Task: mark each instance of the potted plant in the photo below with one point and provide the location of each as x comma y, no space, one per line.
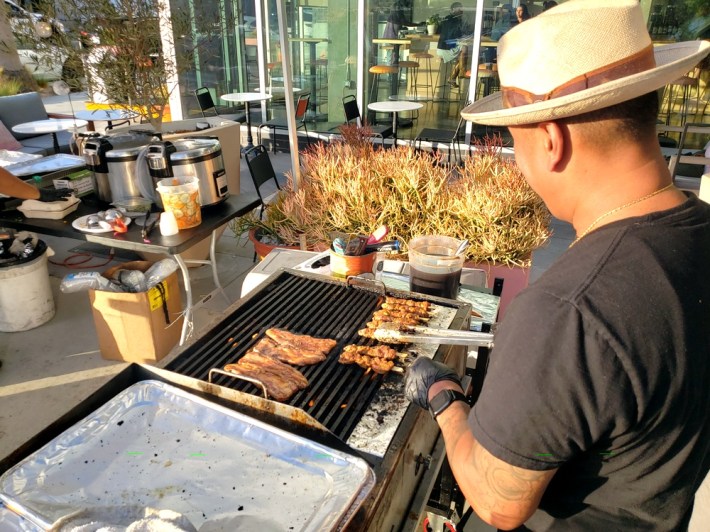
432,24
350,186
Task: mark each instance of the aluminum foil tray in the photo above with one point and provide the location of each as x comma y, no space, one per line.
156,446
51,163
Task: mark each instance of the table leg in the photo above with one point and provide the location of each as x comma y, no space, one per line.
55,141
213,263
187,313
394,81
313,103
394,128
250,139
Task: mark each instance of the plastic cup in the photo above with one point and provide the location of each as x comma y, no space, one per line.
181,196
168,224
433,267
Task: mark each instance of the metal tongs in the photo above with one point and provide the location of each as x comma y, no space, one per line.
393,332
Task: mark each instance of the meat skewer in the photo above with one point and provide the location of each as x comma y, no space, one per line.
419,311
378,365
398,315
410,303
370,333
378,351
376,322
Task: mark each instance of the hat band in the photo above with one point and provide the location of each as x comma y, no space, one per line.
633,64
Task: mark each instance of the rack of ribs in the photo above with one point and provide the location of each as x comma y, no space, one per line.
281,380
267,347
301,342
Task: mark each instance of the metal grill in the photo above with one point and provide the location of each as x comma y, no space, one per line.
337,394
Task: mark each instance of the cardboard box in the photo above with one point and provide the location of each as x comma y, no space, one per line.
80,181
133,327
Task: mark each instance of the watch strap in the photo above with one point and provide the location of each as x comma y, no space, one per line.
443,400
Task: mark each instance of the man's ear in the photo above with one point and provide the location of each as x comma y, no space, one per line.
555,142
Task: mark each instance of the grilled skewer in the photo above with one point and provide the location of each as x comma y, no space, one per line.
419,311
398,315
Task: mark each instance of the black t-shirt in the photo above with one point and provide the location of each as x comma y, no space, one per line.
452,28
601,368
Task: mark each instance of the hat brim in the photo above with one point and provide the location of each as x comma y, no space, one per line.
672,62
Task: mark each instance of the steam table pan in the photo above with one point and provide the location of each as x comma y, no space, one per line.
156,446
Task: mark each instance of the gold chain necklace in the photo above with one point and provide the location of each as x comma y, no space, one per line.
617,209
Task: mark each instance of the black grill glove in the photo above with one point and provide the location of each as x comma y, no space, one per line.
421,375
54,194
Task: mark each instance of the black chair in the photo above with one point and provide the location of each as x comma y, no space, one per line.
352,112
262,172
208,108
450,137
282,123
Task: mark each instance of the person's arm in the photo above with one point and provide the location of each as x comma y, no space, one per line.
503,495
15,187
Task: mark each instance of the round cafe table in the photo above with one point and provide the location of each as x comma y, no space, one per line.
394,107
51,125
104,115
246,98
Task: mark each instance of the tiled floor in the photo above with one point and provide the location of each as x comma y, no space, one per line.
49,369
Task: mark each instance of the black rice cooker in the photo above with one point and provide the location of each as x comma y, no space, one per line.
200,157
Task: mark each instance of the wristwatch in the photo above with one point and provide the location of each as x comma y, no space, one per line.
443,400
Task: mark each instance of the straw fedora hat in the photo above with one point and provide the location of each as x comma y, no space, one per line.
580,56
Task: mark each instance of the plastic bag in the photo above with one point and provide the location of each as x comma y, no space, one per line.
77,282
159,272
132,281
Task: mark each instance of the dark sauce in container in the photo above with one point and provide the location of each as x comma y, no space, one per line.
435,284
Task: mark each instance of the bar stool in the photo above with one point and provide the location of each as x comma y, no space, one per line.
684,85
409,67
423,57
487,80
378,71
322,79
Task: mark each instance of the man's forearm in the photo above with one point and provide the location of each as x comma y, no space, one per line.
501,494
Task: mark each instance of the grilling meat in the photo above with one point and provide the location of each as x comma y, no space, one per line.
398,316
281,380
301,342
378,365
377,322
369,332
377,351
266,346
419,311
420,306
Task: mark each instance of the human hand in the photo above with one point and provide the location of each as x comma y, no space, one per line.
421,375
55,194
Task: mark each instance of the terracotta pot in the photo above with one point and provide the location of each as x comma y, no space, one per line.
262,250
514,278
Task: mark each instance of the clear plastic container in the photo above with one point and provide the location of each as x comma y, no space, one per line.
181,196
434,267
133,207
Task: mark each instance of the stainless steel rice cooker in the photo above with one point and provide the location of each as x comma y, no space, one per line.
200,157
121,164
95,152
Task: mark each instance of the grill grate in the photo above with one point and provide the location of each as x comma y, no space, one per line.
338,394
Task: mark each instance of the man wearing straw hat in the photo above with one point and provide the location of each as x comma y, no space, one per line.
595,412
